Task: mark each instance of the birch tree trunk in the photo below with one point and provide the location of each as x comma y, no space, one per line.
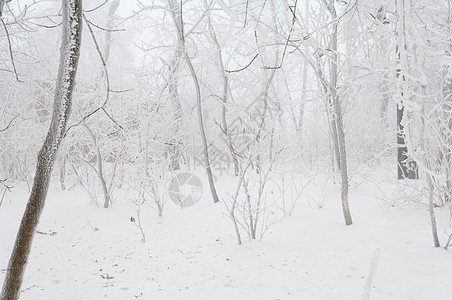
69,56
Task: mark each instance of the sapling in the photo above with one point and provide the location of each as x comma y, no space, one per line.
137,223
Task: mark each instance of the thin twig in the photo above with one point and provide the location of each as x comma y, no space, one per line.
121,91
9,124
246,13
97,7
105,29
107,79
11,51
245,67
29,288
104,64
293,10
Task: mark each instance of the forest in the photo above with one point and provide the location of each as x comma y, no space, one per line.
225,149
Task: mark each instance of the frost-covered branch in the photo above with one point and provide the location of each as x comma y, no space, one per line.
107,80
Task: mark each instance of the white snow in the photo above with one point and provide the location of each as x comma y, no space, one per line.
95,253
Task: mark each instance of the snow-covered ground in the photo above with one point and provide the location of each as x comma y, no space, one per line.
85,252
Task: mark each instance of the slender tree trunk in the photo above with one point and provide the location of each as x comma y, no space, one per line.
446,129
331,117
329,105
338,119
63,173
100,167
70,51
111,12
382,50
447,96
428,176
202,130
431,209
224,98
304,78
402,149
263,116
401,92
2,3
265,92
176,11
384,102
174,149
334,134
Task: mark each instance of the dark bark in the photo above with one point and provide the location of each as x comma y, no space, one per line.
402,157
406,167
70,50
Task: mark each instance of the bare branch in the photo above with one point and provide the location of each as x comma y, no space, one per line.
9,124
245,67
11,51
107,80
120,91
95,8
104,29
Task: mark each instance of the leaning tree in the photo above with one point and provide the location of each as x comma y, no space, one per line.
70,52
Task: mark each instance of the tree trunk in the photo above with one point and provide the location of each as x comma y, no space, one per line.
176,11
447,96
174,147
402,170
224,98
428,175
329,105
382,50
63,173
304,78
405,168
2,3
70,51
447,137
111,13
338,119
100,167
